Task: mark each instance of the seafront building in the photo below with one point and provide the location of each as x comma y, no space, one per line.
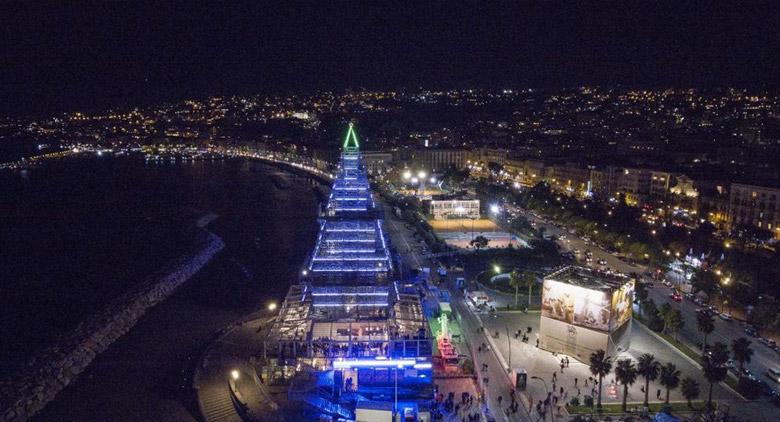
352,342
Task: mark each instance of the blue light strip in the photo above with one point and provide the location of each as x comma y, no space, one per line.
343,305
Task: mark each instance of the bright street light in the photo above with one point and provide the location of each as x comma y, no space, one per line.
497,269
433,180
272,306
414,180
494,209
407,175
235,374
421,174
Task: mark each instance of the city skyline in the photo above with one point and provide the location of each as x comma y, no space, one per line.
114,54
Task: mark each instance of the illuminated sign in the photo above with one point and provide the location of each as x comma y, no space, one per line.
380,363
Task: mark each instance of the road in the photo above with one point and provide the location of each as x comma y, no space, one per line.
725,332
498,380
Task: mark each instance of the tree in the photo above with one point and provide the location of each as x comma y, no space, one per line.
600,366
690,389
741,352
479,242
529,279
640,291
663,313
714,366
704,281
706,326
674,322
515,280
626,374
669,378
649,369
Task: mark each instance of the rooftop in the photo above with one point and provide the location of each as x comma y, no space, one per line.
588,278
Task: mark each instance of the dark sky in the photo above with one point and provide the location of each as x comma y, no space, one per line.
87,55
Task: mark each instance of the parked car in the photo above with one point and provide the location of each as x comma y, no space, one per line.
675,297
773,374
750,331
726,317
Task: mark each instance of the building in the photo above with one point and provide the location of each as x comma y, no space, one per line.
755,206
438,160
584,310
350,342
377,162
455,208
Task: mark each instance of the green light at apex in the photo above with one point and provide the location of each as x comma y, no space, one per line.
351,137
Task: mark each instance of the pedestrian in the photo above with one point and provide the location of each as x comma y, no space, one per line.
500,399
561,390
537,343
555,375
575,381
586,383
658,394
567,361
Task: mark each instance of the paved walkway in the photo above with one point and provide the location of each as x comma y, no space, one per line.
229,353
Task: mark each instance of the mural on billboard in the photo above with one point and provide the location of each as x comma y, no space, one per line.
576,305
622,300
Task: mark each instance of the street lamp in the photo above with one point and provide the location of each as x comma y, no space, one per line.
552,413
272,306
494,209
421,174
235,374
497,269
407,175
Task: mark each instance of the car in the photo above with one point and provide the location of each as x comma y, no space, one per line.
751,332
602,261
773,374
675,297
690,296
726,317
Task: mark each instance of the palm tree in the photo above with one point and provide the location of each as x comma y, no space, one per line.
690,389
648,368
674,321
600,366
669,378
741,352
529,279
706,326
626,374
714,366
515,281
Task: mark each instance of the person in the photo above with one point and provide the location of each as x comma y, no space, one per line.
537,343
561,390
500,399
658,394
575,381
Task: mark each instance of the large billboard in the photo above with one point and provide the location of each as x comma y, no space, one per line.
622,300
576,305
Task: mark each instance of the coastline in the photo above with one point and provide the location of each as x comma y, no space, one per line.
51,370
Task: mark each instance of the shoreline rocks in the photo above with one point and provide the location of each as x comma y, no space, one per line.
52,369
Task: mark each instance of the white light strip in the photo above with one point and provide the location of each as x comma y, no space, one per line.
344,305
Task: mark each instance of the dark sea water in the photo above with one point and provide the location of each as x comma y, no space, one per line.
77,232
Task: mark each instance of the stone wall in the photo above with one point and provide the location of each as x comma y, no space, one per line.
52,369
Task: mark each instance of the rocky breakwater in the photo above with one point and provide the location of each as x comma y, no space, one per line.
53,368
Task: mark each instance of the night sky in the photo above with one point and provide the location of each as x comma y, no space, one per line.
90,55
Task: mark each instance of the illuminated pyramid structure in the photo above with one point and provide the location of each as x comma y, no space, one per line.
351,246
